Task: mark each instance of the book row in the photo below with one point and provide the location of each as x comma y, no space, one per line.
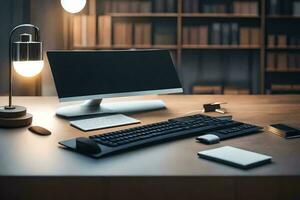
282,40
284,88
283,7
218,89
132,6
283,61
236,7
221,34
162,33
120,33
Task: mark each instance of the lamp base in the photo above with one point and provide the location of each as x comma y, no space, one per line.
14,116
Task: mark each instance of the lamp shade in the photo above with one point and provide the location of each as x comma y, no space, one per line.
27,56
73,6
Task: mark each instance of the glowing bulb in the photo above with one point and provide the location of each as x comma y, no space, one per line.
28,68
73,6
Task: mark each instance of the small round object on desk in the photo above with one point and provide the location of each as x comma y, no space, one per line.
39,130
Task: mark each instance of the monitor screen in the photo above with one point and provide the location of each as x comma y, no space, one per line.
81,75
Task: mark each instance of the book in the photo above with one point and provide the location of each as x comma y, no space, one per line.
123,33
286,7
77,31
296,8
147,40
220,8
296,87
91,30
195,6
244,7
271,61
274,7
145,7
236,91
193,35
83,30
138,33
234,29
225,34
253,8
282,61
106,7
244,36
170,6
164,33
203,35
254,36
281,87
92,7
159,6
104,30
206,8
114,7
185,35
282,40
123,7
292,61
271,41
298,61
216,33
142,34
187,6
207,89
237,7
128,33
135,7
284,130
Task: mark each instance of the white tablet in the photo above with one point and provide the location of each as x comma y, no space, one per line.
235,157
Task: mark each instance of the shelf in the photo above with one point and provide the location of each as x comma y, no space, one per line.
220,15
282,17
172,47
282,70
259,20
225,47
143,14
284,48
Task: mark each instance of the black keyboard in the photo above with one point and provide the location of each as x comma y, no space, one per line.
175,128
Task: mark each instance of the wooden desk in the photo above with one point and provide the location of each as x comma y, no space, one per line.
34,167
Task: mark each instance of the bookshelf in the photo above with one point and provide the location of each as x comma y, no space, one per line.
282,46
252,17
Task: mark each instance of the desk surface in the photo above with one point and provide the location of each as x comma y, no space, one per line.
26,154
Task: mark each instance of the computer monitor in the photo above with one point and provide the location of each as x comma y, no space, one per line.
94,75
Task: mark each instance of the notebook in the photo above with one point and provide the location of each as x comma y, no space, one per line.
235,157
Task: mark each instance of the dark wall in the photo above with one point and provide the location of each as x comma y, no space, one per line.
12,13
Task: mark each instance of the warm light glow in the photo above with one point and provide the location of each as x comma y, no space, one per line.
73,6
28,68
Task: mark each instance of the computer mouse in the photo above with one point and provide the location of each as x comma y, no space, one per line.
208,139
39,130
87,146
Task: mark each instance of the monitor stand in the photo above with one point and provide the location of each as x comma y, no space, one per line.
95,107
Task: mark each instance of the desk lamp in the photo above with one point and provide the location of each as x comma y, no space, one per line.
27,58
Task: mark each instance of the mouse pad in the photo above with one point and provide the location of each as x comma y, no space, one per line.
235,157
